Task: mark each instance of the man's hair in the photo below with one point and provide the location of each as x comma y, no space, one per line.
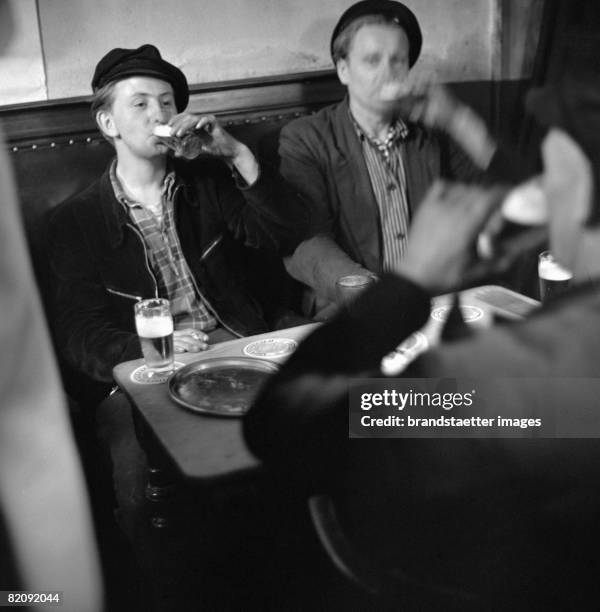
341,45
103,99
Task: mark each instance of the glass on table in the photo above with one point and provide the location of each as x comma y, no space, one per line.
348,288
554,278
154,325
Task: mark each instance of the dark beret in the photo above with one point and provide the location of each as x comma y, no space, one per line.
121,64
395,11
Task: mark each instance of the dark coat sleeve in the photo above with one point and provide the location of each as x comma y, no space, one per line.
506,166
318,261
473,514
303,166
301,416
268,214
300,421
87,335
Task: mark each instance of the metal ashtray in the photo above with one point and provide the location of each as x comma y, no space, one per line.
223,386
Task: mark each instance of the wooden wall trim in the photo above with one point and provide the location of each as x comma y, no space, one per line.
248,101
235,102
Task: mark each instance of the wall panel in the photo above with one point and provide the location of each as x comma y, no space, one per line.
216,40
57,43
22,77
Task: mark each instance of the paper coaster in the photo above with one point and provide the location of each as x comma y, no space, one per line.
157,378
469,313
270,347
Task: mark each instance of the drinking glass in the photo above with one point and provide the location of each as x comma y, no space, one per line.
154,325
554,278
347,288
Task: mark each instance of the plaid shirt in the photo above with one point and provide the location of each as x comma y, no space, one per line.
388,179
166,257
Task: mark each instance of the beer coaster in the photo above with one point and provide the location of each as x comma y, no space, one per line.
470,314
271,347
137,375
393,363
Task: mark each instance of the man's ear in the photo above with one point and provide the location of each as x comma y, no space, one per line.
106,123
342,71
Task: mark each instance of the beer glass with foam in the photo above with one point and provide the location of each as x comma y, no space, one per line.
188,146
347,288
154,325
554,278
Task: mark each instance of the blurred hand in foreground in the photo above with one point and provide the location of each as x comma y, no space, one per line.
443,234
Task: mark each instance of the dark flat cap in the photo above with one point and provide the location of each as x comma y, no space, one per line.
395,11
121,64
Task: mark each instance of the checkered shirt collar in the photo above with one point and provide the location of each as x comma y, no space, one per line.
169,184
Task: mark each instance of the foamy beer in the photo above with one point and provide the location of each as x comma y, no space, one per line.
347,288
154,325
554,278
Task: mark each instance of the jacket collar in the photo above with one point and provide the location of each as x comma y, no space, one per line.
358,207
345,129
115,216
357,200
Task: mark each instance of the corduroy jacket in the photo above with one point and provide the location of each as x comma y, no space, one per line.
101,268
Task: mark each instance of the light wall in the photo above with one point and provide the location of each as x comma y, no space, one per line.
22,76
57,43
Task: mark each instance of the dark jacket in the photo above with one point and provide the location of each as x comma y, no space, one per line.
491,518
321,156
101,267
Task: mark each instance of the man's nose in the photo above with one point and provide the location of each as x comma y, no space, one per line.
160,114
394,70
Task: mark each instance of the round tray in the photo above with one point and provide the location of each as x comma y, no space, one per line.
223,386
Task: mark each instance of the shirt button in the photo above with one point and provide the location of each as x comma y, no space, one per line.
400,236
391,186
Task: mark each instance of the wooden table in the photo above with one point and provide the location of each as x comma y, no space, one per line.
203,449
187,450
208,449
